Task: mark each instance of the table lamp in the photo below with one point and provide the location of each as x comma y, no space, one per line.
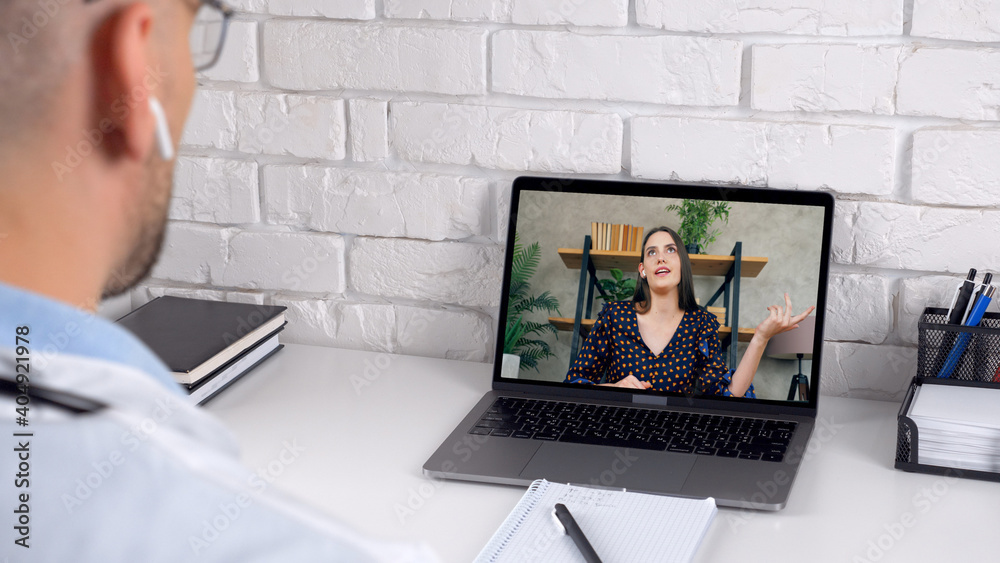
796,343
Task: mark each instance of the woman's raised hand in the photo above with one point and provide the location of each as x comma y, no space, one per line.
780,320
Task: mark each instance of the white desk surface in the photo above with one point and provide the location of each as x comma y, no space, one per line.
364,448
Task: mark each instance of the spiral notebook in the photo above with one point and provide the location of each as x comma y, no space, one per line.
672,527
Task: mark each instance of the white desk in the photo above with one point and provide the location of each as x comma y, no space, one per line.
364,449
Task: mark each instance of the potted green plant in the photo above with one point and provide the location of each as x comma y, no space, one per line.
521,347
697,217
620,288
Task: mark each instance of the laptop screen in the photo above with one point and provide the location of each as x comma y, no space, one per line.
604,286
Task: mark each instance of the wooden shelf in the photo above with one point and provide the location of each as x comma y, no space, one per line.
562,323
701,264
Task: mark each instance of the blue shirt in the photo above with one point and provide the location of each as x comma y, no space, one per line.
690,363
56,328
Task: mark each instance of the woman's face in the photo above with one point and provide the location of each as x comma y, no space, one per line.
661,264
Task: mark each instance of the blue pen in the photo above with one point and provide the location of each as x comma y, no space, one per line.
975,316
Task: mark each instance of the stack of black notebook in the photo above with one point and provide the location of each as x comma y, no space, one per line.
207,344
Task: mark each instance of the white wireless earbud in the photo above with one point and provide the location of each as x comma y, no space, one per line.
164,143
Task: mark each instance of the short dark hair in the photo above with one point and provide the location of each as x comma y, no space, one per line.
685,292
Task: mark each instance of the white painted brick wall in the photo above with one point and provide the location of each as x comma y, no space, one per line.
385,136
305,262
692,71
966,20
342,9
215,190
446,272
239,61
859,308
807,17
458,10
819,78
277,124
507,138
369,129
846,159
890,235
387,204
956,166
311,55
950,82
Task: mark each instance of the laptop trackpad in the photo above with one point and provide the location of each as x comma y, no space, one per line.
643,470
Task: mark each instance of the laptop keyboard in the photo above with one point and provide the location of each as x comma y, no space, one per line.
632,427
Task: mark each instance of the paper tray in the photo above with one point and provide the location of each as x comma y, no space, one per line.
908,439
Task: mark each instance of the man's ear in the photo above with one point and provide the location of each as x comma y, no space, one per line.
121,47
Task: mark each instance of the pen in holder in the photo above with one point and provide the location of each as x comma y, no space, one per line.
968,353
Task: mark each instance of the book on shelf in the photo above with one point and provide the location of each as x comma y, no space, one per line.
615,237
196,337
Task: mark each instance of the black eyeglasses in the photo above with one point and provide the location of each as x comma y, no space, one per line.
208,34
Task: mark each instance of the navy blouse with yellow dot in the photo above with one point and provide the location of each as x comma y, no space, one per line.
691,363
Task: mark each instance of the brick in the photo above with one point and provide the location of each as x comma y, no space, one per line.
507,138
956,167
305,262
890,235
859,308
845,215
963,83
313,55
369,129
445,272
340,9
212,120
278,124
143,293
438,333
965,20
288,124
215,190
192,253
870,372
605,13
355,326
844,158
847,159
818,78
832,380
388,204
238,61
918,293
665,70
806,17
458,10
699,150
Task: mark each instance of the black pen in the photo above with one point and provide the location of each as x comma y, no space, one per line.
574,532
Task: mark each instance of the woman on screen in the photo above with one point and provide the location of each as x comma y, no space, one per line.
663,340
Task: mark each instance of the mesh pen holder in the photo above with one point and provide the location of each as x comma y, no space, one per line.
981,357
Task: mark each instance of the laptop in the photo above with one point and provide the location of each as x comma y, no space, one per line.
573,246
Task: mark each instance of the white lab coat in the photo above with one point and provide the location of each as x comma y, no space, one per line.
150,478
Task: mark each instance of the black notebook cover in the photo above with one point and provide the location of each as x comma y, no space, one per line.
185,333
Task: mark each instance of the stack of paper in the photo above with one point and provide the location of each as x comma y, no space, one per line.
957,426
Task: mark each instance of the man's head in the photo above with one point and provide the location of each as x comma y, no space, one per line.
78,134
